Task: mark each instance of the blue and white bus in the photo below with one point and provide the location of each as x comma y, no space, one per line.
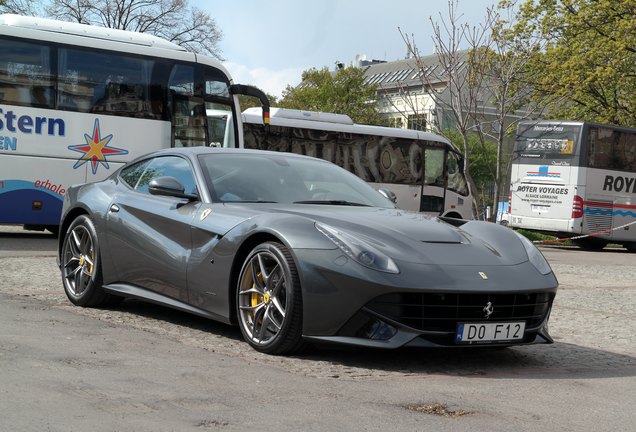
77,101
575,180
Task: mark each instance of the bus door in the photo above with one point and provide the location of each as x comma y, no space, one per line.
433,180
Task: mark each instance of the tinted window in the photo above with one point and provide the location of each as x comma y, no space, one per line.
456,179
172,166
541,143
188,109
25,74
611,149
105,83
131,174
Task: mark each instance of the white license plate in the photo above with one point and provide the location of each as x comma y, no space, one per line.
468,333
538,208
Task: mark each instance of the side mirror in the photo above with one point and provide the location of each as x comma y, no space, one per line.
388,194
169,186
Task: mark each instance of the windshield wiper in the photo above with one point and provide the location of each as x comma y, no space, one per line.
333,202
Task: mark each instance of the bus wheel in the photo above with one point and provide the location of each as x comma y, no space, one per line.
631,247
591,243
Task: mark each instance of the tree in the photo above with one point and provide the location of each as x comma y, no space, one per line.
173,20
251,102
589,57
462,89
342,92
503,65
487,91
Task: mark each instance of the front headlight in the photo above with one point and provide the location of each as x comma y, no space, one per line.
536,257
358,250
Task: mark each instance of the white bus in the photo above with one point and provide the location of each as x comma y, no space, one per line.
575,179
423,170
77,101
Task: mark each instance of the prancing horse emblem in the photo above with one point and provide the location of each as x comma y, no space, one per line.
488,310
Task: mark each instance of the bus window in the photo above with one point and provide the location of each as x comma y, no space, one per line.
188,110
456,181
219,109
434,167
104,83
25,74
611,149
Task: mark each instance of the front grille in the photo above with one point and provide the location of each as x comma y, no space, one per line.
441,312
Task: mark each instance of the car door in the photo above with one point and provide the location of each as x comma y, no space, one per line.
149,235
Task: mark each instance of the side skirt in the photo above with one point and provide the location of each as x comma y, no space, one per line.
131,291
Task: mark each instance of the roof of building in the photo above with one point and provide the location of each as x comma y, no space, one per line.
406,73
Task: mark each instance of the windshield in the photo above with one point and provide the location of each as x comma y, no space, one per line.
539,142
281,178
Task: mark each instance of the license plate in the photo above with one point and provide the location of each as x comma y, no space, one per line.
469,333
538,208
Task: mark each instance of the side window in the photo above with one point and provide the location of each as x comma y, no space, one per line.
172,166
25,74
105,83
188,109
131,174
434,167
456,179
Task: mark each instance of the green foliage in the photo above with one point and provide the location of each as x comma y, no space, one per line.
534,236
341,92
587,57
482,157
251,102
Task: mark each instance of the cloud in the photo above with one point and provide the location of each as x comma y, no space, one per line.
270,81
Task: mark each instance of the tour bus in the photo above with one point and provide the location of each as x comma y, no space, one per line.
78,101
420,170
575,180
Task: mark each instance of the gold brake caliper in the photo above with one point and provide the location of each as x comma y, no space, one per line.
256,298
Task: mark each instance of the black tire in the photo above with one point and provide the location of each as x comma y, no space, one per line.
631,247
81,266
591,243
269,302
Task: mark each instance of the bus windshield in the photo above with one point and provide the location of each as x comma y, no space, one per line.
543,143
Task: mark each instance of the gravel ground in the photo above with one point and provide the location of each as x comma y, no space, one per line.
592,323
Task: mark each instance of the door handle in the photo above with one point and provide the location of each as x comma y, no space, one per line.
114,208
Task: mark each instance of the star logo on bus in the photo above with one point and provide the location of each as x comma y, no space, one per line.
96,149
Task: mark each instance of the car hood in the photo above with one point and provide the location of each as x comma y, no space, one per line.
405,236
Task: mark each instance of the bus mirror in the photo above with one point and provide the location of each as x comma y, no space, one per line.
254,92
388,194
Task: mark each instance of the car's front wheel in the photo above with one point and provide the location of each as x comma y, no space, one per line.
269,303
81,265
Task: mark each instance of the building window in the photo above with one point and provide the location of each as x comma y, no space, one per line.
417,122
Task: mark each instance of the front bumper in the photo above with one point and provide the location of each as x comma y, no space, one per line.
340,301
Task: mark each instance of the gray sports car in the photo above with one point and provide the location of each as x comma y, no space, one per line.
297,250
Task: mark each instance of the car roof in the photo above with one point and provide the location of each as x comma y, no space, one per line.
201,150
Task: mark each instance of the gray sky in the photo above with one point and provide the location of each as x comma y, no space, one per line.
269,43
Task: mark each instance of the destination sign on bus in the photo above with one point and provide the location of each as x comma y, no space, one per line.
549,145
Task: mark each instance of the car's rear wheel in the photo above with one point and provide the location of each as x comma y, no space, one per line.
269,303
81,265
